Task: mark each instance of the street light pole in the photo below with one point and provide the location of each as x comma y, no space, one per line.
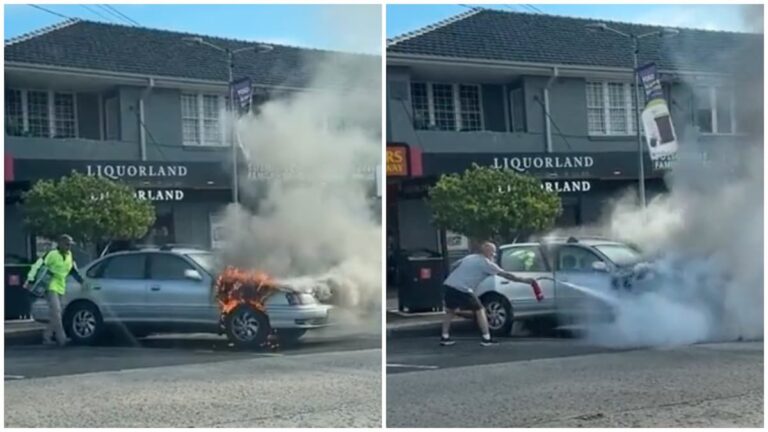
259,48
636,93
233,129
635,51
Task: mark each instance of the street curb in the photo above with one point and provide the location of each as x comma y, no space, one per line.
23,337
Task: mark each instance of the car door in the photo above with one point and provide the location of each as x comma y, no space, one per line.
583,284
173,295
526,261
118,285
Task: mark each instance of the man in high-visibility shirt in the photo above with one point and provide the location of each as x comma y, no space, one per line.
60,264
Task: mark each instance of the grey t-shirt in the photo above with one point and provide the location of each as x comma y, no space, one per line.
470,271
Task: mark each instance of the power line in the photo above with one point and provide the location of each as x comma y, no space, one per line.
535,9
110,12
122,15
96,12
49,11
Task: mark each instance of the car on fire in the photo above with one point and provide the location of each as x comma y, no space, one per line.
560,266
170,289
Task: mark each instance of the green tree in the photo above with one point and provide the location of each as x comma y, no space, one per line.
487,203
90,209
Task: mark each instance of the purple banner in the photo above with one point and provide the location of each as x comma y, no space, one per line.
242,93
651,82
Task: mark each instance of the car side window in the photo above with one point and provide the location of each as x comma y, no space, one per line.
167,267
522,259
97,270
130,266
576,259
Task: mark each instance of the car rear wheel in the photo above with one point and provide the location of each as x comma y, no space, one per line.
83,323
247,327
499,313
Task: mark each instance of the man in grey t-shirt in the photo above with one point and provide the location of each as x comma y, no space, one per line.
466,274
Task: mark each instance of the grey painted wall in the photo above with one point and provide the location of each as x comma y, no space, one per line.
567,109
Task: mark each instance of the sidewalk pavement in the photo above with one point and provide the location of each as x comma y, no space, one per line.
399,323
20,331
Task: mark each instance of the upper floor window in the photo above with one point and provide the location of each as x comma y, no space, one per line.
714,110
450,107
201,119
611,108
40,113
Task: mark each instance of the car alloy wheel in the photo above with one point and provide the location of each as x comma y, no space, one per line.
84,324
497,314
245,326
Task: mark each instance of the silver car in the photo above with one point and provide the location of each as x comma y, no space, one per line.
577,262
170,290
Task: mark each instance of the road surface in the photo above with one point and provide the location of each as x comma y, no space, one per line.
555,382
329,380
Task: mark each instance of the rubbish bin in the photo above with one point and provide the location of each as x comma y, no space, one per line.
421,282
18,301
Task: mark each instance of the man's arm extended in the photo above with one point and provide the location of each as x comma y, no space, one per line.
513,278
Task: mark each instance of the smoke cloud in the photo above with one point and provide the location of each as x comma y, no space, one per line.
703,239
310,215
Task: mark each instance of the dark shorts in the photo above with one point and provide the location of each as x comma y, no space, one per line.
455,299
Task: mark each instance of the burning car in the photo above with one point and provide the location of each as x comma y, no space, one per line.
181,290
579,278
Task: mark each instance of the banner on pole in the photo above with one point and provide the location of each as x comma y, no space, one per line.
656,119
242,93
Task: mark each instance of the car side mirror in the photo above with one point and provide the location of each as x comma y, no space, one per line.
599,266
193,275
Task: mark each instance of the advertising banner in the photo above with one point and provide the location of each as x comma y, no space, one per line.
242,93
656,119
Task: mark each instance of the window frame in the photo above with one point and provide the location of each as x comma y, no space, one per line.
200,119
583,249
50,109
457,107
149,265
605,106
103,264
713,92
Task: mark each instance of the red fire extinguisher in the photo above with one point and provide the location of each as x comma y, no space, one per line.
537,290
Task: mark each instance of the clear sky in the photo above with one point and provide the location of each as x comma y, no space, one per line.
313,26
404,18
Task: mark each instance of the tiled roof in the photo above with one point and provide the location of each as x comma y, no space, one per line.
540,38
118,48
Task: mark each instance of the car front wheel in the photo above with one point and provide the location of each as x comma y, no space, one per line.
83,323
247,327
499,313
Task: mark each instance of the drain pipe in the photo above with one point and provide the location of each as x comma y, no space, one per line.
547,113
142,119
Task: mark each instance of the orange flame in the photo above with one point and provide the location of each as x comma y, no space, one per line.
235,286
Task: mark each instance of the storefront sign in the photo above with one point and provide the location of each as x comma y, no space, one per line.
159,175
561,186
121,171
525,163
218,228
153,195
397,161
456,242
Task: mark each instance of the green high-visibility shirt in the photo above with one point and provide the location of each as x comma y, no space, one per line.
60,265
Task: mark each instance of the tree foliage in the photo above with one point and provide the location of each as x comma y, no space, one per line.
90,209
487,203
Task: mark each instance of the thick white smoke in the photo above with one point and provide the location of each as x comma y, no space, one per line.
703,239
313,215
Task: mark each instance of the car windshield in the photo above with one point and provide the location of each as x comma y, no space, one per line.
621,255
208,261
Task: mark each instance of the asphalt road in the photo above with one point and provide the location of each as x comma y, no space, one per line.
556,382
331,379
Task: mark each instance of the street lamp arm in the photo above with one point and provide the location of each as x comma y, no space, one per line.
653,33
619,32
216,47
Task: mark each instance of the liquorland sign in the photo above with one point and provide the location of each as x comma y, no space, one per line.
397,161
156,181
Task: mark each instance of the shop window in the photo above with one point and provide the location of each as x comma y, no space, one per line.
201,119
449,107
40,113
517,110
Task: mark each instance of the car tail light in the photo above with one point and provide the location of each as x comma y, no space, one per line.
294,299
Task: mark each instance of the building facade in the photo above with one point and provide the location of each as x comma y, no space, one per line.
137,105
541,94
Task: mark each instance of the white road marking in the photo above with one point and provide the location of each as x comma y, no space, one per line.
14,377
398,365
